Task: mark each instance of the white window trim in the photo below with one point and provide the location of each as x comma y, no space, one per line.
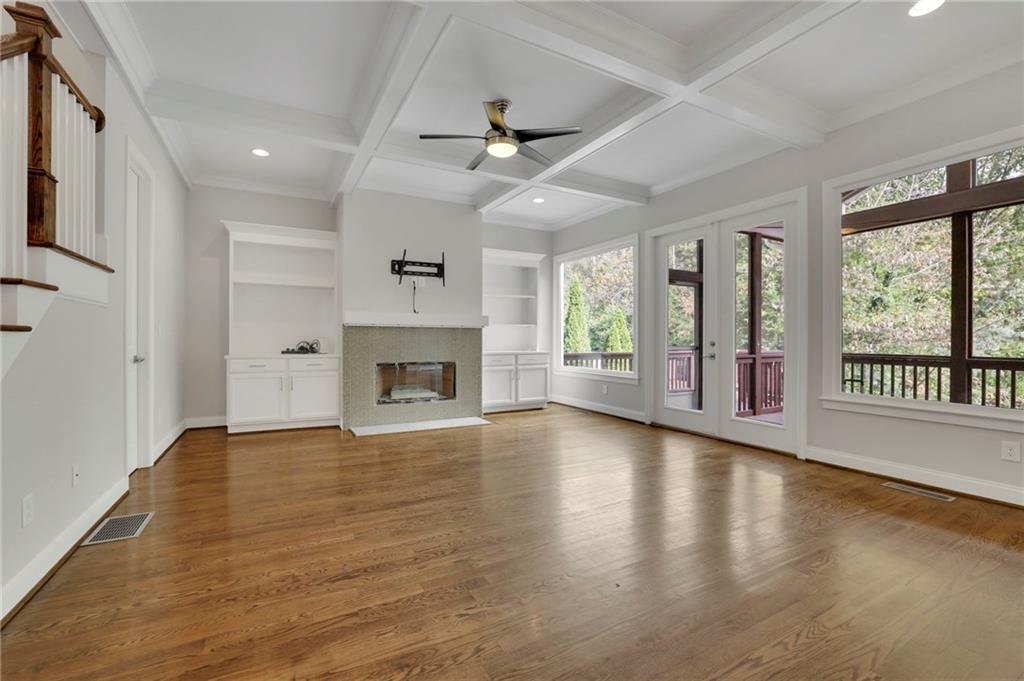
630,377
833,397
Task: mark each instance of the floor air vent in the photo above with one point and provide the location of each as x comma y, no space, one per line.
119,527
939,496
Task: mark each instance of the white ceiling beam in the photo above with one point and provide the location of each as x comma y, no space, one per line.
515,171
181,102
588,143
778,32
596,187
421,36
628,63
631,65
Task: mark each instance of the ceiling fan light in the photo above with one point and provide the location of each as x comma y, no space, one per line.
500,146
922,7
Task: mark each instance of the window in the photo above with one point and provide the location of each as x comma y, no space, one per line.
932,293
598,311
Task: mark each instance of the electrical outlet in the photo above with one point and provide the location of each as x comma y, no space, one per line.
1011,451
604,388
76,475
28,509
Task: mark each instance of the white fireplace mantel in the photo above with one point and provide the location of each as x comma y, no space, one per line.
423,319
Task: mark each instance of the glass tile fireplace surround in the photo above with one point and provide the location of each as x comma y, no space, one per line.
405,382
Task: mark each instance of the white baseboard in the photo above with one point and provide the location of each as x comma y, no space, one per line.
206,422
167,441
600,408
22,583
926,476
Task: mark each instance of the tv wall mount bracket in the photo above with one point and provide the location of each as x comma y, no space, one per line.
417,268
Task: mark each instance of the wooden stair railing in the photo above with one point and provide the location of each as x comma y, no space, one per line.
60,159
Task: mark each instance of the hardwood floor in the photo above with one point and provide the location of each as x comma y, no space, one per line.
552,545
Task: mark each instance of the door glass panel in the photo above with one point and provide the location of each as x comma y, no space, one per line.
683,380
760,324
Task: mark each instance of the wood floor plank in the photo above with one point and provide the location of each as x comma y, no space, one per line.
555,545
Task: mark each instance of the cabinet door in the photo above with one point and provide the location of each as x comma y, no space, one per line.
314,395
256,398
532,385
499,386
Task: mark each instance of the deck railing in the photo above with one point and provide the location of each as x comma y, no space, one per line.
609,361
680,370
762,396
997,382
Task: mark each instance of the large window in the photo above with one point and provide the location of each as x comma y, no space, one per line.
933,284
598,309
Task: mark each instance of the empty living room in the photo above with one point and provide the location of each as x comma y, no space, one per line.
498,340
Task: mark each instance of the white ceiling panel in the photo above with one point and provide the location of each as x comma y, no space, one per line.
417,180
472,64
557,208
684,143
688,23
875,47
306,55
219,156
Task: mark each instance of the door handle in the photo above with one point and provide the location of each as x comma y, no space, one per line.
138,359
713,356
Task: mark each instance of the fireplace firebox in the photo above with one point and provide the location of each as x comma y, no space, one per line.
405,382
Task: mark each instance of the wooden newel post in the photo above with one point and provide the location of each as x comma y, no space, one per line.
42,185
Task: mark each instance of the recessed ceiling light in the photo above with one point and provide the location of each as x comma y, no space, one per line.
538,200
922,7
262,153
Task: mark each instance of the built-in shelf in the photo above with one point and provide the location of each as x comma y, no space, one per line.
510,285
271,279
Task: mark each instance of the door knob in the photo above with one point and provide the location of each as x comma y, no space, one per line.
713,356
138,359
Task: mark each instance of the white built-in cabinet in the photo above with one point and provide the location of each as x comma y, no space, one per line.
282,289
515,380
516,374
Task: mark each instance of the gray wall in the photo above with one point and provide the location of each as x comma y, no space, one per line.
938,121
206,339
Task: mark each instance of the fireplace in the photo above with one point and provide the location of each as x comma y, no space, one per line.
375,359
407,382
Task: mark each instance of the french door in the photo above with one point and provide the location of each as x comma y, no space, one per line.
726,308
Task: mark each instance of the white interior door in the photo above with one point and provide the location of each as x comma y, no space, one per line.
131,321
686,299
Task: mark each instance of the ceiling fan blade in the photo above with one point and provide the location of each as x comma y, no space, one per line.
495,116
451,137
531,153
531,134
477,160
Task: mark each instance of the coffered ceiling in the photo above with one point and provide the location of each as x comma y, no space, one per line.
666,92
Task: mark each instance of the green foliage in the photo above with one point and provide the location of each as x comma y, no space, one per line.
606,285
620,339
577,333
897,282
681,311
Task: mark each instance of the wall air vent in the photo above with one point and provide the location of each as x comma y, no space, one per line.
938,496
119,527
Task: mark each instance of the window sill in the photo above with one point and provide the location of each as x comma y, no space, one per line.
599,375
971,416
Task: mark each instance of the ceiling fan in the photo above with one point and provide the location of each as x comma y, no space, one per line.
502,141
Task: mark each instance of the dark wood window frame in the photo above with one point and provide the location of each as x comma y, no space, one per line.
962,198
